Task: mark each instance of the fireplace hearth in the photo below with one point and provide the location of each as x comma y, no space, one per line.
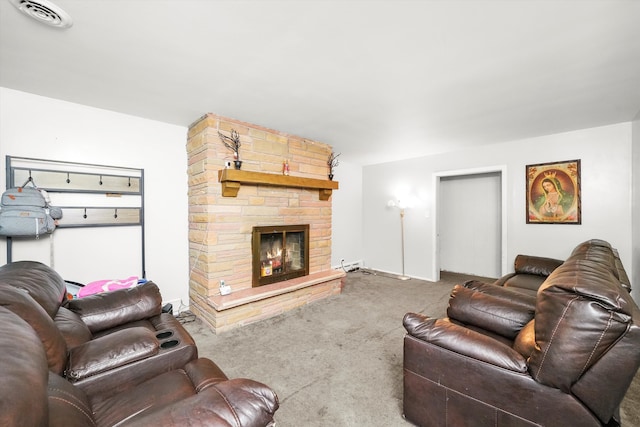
279,253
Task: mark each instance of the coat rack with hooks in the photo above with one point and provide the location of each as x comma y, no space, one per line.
89,195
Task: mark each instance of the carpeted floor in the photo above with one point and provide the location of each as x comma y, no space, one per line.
338,361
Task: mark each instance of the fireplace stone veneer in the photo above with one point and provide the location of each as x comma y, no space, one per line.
220,226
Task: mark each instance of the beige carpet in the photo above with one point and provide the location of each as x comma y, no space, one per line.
338,362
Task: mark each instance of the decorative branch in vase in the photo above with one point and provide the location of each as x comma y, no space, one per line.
332,163
232,143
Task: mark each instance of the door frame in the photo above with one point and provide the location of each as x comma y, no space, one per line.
437,176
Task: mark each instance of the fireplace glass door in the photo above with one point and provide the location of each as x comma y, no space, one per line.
280,253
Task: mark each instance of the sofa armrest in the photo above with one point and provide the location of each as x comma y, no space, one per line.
111,351
443,333
111,309
237,402
540,266
204,373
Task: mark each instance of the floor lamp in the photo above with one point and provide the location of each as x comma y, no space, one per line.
400,206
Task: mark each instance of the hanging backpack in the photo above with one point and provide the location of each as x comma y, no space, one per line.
25,212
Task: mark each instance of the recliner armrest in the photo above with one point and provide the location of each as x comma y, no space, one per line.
111,351
111,309
204,373
238,402
540,266
443,333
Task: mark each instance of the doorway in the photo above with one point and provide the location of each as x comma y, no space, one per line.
470,222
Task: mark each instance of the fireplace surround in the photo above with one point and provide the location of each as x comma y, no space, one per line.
226,204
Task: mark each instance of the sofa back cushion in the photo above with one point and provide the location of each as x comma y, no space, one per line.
43,283
581,312
24,371
20,302
497,314
598,251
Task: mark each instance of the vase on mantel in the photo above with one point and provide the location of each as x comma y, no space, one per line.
330,177
237,164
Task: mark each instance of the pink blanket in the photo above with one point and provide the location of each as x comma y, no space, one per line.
106,286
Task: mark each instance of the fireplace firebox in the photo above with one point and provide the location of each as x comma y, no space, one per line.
279,253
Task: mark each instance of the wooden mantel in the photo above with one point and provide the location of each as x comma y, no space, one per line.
231,179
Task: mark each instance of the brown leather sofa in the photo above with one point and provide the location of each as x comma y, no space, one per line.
109,359
497,361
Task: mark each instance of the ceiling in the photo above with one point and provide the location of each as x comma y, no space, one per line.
377,80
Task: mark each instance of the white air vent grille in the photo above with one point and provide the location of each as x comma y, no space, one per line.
45,12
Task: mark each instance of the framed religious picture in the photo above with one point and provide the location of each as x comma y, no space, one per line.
553,193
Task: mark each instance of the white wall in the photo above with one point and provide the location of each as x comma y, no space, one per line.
605,154
346,238
635,231
39,127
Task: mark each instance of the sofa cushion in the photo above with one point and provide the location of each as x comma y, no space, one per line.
23,369
525,341
204,373
41,282
73,329
489,312
232,403
111,351
457,338
539,266
581,311
526,301
160,391
68,405
20,302
108,310
598,251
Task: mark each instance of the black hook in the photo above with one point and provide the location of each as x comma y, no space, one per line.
68,179
116,214
29,180
100,179
85,213
129,181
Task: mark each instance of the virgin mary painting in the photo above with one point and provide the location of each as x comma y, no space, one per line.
553,193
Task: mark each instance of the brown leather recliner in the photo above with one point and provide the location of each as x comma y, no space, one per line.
104,343
197,394
497,361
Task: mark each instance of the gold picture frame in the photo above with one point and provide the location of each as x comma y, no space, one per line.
553,193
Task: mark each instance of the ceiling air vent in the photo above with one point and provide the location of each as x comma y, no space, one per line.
45,12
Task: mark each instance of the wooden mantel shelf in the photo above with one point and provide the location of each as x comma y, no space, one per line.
231,179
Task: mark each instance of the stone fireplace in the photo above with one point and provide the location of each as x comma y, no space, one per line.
227,205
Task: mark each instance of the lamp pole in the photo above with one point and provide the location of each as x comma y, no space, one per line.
403,277
402,236
400,205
